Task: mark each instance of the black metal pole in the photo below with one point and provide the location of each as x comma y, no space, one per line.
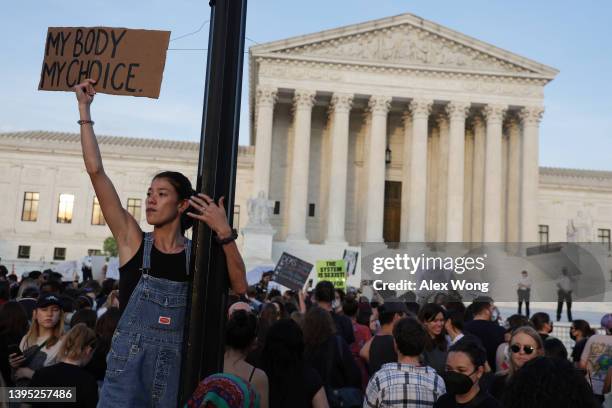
205,322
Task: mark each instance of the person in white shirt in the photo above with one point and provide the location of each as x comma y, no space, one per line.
523,291
564,293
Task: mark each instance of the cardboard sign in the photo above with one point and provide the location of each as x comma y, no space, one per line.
333,271
350,257
122,61
291,272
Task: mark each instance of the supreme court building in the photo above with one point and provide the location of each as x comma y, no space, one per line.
396,129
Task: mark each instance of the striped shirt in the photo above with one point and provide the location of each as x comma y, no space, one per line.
403,386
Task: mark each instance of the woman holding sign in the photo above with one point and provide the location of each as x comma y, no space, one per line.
144,359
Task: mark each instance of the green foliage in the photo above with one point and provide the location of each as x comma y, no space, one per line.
110,247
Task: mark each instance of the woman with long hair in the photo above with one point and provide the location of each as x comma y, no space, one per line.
580,331
293,383
240,335
432,318
327,352
13,326
76,351
40,345
525,345
154,281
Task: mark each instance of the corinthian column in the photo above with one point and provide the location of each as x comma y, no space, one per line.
514,171
407,119
379,107
493,173
303,102
266,97
442,180
457,112
418,169
530,117
336,209
478,179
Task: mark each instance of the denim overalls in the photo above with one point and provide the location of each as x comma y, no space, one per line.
144,361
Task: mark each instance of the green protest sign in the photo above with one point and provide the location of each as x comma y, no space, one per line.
333,271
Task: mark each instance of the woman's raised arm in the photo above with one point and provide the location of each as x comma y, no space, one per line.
124,228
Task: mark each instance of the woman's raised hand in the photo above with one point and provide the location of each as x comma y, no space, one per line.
85,92
210,213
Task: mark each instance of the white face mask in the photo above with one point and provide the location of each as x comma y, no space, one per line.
335,304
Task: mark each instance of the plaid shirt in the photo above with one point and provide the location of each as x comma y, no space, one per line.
403,386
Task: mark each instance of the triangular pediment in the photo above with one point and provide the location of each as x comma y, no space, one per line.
409,41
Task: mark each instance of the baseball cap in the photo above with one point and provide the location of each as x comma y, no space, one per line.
48,299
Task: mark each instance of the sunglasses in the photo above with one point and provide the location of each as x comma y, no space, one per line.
515,348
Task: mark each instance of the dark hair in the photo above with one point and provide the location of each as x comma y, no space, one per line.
340,293
318,327
584,327
385,317
548,382
554,348
92,286
53,286
241,330
324,292
3,270
267,317
5,290
428,313
410,336
364,313
539,320
273,293
476,353
479,304
67,303
282,359
108,285
83,302
183,189
350,306
107,323
31,293
86,316
456,318
34,275
13,320
515,321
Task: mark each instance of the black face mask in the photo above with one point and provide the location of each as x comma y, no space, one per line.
457,383
572,337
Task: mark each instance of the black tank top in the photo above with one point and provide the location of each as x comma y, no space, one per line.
165,266
382,351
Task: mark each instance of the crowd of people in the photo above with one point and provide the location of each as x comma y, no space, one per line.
321,348
119,343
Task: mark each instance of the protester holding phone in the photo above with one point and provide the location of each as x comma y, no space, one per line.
39,347
144,359
13,326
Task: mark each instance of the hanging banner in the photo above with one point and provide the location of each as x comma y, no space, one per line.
121,61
